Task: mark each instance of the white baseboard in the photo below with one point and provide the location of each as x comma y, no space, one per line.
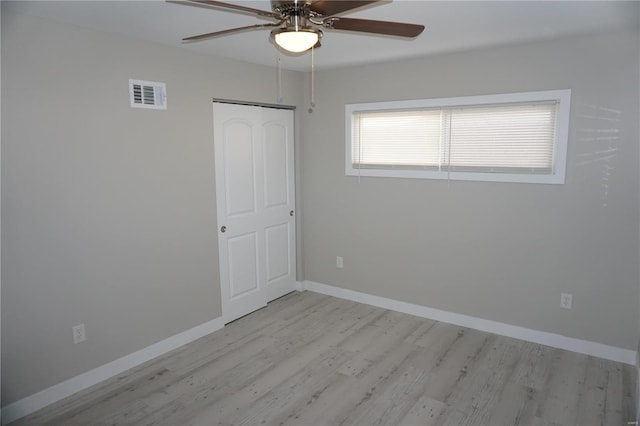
67,388
599,350
637,394
638,384
300,286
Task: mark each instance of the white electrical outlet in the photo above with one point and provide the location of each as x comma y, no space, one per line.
566,300
78,334
339,262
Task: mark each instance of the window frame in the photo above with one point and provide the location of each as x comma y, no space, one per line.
557,176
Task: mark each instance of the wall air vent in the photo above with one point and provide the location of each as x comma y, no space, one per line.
147,94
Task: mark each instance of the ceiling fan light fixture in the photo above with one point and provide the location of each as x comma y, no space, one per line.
296,40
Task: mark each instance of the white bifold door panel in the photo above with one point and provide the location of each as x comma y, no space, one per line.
255,204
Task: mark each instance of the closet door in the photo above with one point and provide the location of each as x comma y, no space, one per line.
255,199
279,201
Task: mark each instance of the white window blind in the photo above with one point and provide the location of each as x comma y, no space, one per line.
487,141
397,139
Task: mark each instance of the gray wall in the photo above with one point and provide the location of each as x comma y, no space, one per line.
497,251
108,213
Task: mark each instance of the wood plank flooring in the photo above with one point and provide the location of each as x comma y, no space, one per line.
310,359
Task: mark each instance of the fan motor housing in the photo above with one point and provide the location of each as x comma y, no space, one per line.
291,7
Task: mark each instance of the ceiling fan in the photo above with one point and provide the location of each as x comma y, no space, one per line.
297,21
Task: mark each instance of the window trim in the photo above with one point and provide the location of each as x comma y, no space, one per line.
562,96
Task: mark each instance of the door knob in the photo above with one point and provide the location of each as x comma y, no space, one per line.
223,229
291,213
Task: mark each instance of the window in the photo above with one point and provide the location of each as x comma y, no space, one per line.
518,137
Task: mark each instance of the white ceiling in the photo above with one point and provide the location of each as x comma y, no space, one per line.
450,26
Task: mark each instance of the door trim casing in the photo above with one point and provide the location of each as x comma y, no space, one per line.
251,103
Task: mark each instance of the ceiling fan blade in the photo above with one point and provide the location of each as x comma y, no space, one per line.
229,31
334,7
376,27
236,7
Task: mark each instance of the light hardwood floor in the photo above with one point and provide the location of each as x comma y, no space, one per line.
309,359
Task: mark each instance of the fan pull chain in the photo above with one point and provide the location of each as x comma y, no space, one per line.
279,78
449,154
359,150
313,89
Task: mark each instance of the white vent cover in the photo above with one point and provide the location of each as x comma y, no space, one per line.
147,94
